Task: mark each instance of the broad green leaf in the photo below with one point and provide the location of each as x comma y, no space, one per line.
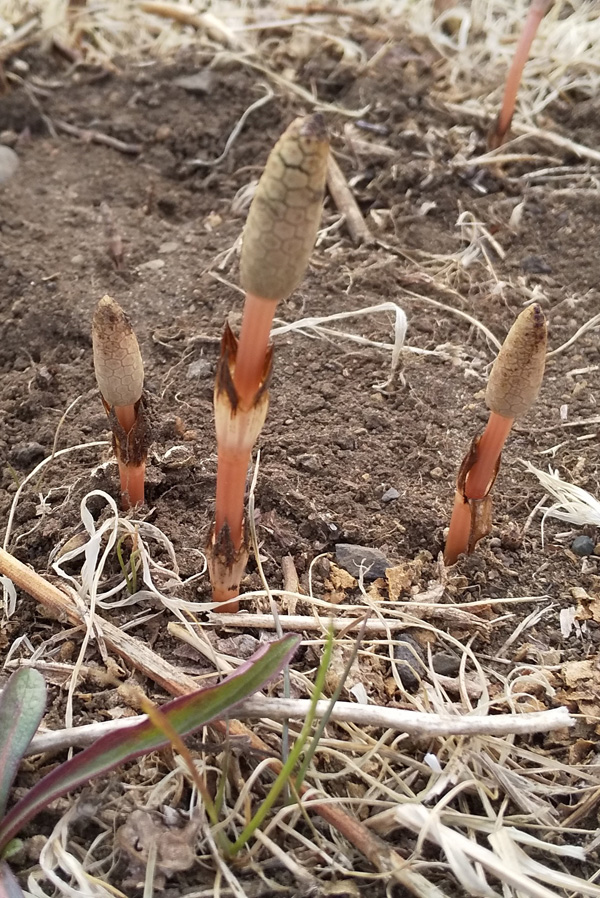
9,887
22,706
186,714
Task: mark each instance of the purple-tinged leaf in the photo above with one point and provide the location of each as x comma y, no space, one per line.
9,887
22,706
186,714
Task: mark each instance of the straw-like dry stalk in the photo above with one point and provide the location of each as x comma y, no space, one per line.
278,239
513,386
120,376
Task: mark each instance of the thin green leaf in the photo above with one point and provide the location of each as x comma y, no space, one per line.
320,729
287,769
9,887
185,714
22,706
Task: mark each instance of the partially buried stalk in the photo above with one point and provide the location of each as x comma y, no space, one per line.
278,239
512,388
120,376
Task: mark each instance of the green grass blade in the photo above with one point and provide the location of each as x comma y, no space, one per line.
284,775
22,706
185,714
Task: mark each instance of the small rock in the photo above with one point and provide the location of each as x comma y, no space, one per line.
410,666
152,265
535,265
345,441
198,83
309,462
446,664
9,162
436,473
26,454
390,495
77,261
9,138
352,558
199,368
583,545
169,247
597,549
163,132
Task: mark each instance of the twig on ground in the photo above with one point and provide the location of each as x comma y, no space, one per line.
90,136
298,623
346,204
418,723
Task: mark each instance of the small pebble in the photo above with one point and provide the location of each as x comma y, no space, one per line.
170,247
409,657
535,265
198,83
446,664
199,368
26,454
163,132
583,545
390,495
373,562
436,473
9,162
152,265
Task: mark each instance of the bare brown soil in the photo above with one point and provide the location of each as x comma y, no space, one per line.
333,444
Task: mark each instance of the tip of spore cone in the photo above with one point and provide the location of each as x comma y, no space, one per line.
517,373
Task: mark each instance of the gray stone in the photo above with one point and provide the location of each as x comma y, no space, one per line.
446,664
199,368
390,495
409,658
352,558
26,454
152,265
198,83
9,162
583,545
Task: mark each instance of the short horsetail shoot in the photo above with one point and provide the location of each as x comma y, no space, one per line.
513,386
120,376
278,239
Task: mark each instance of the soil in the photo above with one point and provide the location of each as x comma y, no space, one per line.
334,443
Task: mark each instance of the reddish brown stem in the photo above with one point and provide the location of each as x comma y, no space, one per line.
459,531
536,13
252,347
232,468
132,476
126,416
474,484
481,475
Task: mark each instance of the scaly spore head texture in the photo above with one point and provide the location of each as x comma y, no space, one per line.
516,376
117,357
284,217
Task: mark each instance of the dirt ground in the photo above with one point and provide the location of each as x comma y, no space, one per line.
334,443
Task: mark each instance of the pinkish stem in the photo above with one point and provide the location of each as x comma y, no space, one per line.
252,347
536,13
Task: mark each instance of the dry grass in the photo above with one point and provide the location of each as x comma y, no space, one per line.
493,806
